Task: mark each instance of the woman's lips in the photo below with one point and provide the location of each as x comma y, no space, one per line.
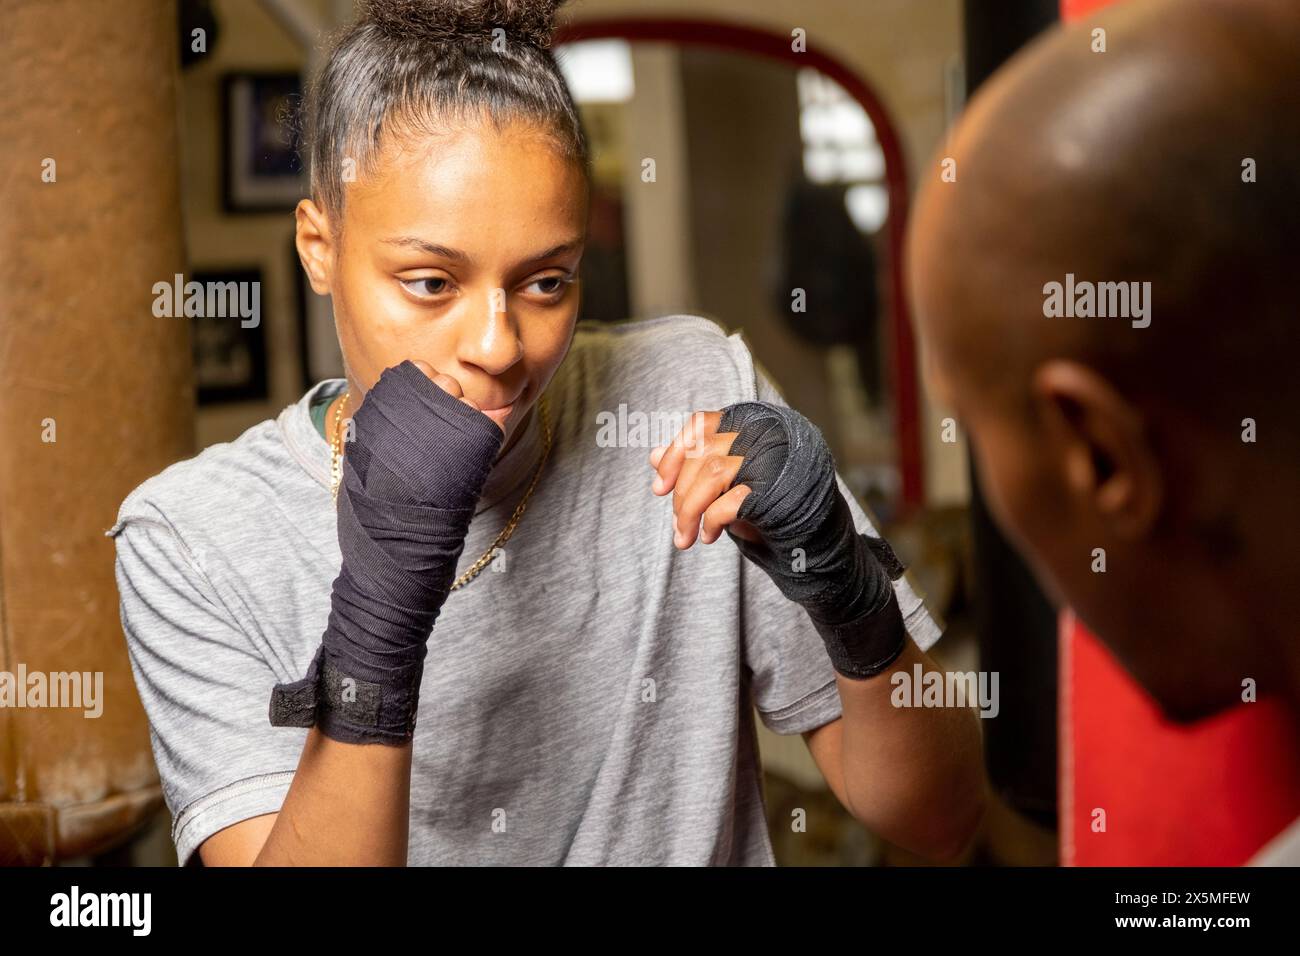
499,415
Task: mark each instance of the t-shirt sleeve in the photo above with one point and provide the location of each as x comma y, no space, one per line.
204,687
791,674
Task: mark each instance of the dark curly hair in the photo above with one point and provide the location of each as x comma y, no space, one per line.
421,66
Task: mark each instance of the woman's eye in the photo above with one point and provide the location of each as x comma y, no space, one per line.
550,285
426,288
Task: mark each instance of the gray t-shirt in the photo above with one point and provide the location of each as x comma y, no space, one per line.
587,699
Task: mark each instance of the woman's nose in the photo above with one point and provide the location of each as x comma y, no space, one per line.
489,338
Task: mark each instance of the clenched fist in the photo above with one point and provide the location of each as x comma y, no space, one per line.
764,473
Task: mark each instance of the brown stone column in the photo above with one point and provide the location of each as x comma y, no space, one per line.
95,393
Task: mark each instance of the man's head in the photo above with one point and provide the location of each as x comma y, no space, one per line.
1159,179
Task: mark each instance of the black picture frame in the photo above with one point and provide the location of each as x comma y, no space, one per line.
229,357
260,161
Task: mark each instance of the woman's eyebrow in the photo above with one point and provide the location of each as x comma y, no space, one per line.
556,250
446,252
432,248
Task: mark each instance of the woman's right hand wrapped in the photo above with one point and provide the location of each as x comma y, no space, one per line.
412,476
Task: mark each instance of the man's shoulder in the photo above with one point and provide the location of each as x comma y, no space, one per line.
675,359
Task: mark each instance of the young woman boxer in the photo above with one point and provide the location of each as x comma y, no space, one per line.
524,657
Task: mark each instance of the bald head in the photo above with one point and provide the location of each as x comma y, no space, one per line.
1105,294
1133,165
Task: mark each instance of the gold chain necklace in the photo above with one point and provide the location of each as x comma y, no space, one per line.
336,479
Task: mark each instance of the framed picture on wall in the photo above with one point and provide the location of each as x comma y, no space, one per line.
318,343
261,169
228,339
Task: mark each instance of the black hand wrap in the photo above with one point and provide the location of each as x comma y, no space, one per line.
411,480
811,549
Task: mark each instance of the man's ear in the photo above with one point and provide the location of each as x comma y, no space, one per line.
315,244
1111,467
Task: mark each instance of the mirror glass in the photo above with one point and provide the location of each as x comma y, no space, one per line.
753,192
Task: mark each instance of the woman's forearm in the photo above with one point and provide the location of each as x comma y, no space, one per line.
349,805
914,775
409,487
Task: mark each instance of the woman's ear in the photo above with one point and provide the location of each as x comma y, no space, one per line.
315,245
1110,467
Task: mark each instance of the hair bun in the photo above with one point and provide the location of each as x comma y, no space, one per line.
532,21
